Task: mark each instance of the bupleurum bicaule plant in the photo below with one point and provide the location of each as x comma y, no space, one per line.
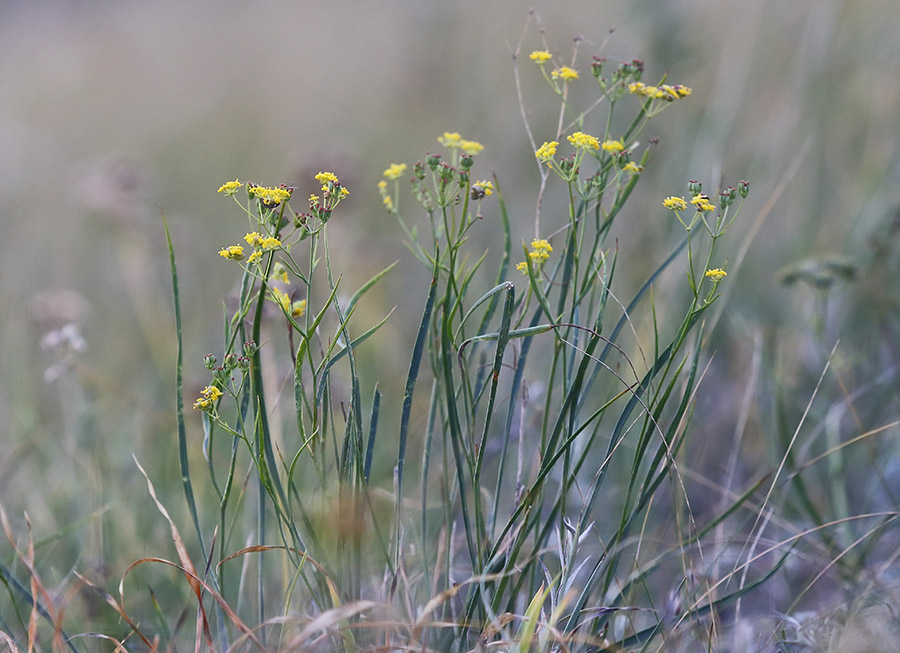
544,508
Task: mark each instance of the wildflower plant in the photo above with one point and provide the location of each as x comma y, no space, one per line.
517,511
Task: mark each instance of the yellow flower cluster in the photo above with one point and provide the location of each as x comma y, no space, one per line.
716,274
233,253
230,188
332,194
395,171
540,252
546,151
632,167
613,147
267,243
453,140
584,141
208,397
486,186
540,56
325,177
270,197
702,203
675,203
565,73
666,92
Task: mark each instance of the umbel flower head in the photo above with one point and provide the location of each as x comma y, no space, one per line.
546,151
540,252
565,73
583,141
230,187
270,197
208,397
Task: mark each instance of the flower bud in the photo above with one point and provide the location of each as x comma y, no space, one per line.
432,160
249,348
230,361
419,170
567,165
463,178
221,374
597,65
694,187
637,69
727,196
210,361
466,161
243,364
744,188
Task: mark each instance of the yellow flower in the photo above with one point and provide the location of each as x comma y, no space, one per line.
269,243
632,167
585,141
230,188
613,146
565,73
298,308
675,203
716,274
486,186
540,252
208,396
388,202
254,257
642,89
395,171
540,249
450,139
702,203
233,253
253,238
546,151
324,177
540,56
471,147
281,298
211,392
270,196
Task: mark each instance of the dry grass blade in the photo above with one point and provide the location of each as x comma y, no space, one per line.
199,582
329,619
111,601
193,578
48,608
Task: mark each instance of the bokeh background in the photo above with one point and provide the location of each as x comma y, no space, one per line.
112,113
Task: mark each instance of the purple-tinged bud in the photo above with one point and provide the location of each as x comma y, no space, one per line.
230,361
243,364
694,187
250,348
419,170
466,161
744,188
432,160
210,361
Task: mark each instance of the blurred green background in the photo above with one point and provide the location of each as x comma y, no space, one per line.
113,112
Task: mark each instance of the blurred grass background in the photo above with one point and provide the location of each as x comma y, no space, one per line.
111,112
